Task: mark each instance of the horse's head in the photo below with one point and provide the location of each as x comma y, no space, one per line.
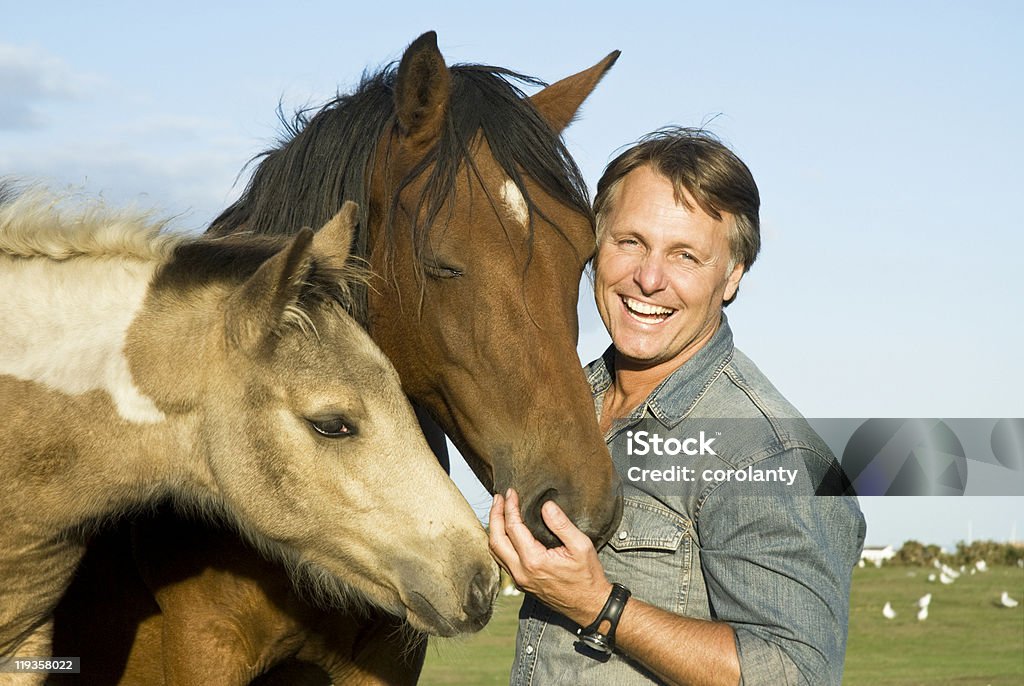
479,233
315,450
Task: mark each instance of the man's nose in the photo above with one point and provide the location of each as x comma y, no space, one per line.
650,273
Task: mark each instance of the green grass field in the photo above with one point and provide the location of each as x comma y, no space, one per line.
966,639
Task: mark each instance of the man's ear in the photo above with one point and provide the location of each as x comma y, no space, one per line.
732,283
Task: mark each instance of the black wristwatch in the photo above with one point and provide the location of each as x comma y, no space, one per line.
591,635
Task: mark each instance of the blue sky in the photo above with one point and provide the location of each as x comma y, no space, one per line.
885,138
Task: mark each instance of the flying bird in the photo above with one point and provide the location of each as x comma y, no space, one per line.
887,611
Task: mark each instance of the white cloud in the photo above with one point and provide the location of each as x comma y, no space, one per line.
29,78
193,185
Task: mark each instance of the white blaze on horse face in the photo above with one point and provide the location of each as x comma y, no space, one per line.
514,201
71,338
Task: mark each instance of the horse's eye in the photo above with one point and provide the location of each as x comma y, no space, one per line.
332,427
440,271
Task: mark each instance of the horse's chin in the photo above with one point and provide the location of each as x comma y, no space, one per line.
423,616
417,611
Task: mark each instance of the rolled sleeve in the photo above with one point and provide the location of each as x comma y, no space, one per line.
777,564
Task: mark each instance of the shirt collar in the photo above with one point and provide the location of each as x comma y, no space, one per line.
676,395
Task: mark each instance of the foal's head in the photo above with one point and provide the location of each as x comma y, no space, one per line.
309,442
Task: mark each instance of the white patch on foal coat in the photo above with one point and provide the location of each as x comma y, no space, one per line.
64,325
514,201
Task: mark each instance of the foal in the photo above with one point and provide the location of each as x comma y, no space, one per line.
281,417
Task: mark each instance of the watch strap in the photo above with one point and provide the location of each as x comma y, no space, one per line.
592,636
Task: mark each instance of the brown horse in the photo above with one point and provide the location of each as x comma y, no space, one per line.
284,420
476,226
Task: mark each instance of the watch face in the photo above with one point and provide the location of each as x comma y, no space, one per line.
598,642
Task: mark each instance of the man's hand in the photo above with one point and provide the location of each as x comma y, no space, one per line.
571,580
568,579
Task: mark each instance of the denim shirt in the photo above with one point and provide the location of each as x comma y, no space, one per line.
771,557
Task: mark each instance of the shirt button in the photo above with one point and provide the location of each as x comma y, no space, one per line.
529,650
623,535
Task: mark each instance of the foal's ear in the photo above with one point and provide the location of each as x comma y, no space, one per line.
333,241
421,91
255,311
559,102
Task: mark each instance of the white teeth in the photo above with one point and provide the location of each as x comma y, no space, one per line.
644,308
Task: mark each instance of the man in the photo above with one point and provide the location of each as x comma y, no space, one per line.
737,561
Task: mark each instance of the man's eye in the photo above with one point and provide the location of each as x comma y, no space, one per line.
332,427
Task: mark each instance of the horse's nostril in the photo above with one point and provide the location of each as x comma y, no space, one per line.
480,596
534,520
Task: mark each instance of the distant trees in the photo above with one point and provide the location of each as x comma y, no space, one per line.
916,554
991,552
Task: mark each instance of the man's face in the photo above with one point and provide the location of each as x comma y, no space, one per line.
661,273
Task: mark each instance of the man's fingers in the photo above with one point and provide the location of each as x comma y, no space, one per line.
501,547
512,514
497,514
520,535
571,537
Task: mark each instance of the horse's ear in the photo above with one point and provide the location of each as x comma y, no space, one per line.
256,309
422,88
559,102
333,241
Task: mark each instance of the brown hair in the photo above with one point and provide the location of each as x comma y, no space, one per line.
696,162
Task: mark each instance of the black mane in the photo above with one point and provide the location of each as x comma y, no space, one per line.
324,157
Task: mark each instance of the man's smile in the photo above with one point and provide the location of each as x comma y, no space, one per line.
646,312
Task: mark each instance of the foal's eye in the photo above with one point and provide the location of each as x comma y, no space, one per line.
332,427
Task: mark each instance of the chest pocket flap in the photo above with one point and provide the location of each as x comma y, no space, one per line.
648,526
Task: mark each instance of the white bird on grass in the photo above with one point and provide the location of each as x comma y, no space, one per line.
925,600
922,614
946,579
981,566
887,611
1006,601
931,577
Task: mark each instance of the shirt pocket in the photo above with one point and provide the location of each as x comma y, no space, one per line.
651,553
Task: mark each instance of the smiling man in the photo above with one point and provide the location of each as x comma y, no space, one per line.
722,571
